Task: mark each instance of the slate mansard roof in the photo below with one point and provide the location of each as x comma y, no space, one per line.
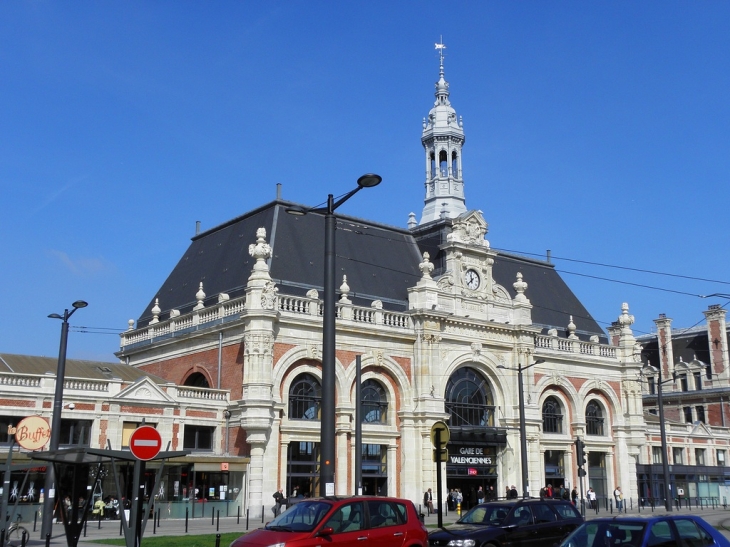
380,261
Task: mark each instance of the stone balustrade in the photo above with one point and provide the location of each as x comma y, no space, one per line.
555,343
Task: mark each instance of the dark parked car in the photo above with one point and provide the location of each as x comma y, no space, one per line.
342,522
518,523
662,531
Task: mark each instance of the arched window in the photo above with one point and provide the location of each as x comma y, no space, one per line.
552,417
433,165
305,397
197,379
469,399
444,163
374,403
454,165
594,419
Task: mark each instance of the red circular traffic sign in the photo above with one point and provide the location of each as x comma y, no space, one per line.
145,442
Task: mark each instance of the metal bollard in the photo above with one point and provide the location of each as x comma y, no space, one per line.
2,536
212,517
48,539
186,520
121,522
247,510
218,521
23,538
85,523
263,513
154,524
35,519
238,515
99,520
158,518
611,502
217,540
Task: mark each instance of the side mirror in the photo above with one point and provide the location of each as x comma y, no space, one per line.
326,531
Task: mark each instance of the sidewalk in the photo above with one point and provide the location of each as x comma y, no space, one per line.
176,527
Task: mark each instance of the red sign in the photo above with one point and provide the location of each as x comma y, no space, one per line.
145,442
471,471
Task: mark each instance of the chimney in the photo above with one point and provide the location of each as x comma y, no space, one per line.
197,227
549,256
717,340
278,191
664,343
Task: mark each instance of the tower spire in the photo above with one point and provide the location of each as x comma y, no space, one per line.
442,139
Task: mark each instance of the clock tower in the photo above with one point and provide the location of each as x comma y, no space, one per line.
442,139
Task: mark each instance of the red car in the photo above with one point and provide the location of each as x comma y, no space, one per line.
333,522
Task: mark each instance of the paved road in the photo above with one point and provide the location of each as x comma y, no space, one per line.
720,518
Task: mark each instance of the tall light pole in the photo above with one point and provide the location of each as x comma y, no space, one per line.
48,501
662,434
523,428
327,434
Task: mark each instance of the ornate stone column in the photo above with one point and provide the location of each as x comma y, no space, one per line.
257,403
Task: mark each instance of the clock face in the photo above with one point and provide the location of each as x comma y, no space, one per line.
472,279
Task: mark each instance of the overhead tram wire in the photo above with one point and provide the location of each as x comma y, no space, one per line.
587,262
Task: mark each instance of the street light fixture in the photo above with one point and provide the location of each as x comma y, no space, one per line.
327,432
48,501
523,429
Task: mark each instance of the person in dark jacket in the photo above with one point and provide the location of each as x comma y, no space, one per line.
513,493
574,496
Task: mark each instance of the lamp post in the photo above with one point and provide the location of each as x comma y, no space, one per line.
48,501
662,434
327,434
523,428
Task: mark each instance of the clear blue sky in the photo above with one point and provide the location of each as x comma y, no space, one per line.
599,130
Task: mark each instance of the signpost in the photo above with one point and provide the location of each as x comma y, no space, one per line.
145,443
439,438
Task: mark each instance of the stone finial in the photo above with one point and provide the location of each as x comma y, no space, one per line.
571,329
260,250
625,319
131,324
426,266
199,296
155,312
444,211
344,290
174,313
553,332
520,286
412,223
377,304
223,297
595,338
313,294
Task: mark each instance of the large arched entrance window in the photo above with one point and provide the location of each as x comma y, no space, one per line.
469,399
305,398
374,403
594,419
552,417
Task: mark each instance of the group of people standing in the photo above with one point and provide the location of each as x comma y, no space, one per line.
560,493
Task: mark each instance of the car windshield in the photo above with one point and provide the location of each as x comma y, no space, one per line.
301,517
493,515
606,534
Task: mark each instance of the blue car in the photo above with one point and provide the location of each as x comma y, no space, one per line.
655,531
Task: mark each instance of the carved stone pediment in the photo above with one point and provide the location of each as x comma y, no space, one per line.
145,390
469,228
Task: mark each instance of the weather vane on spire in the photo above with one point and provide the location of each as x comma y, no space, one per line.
441,47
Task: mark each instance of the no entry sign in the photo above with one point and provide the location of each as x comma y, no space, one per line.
145,442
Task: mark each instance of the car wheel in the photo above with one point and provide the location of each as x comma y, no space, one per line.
489,545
